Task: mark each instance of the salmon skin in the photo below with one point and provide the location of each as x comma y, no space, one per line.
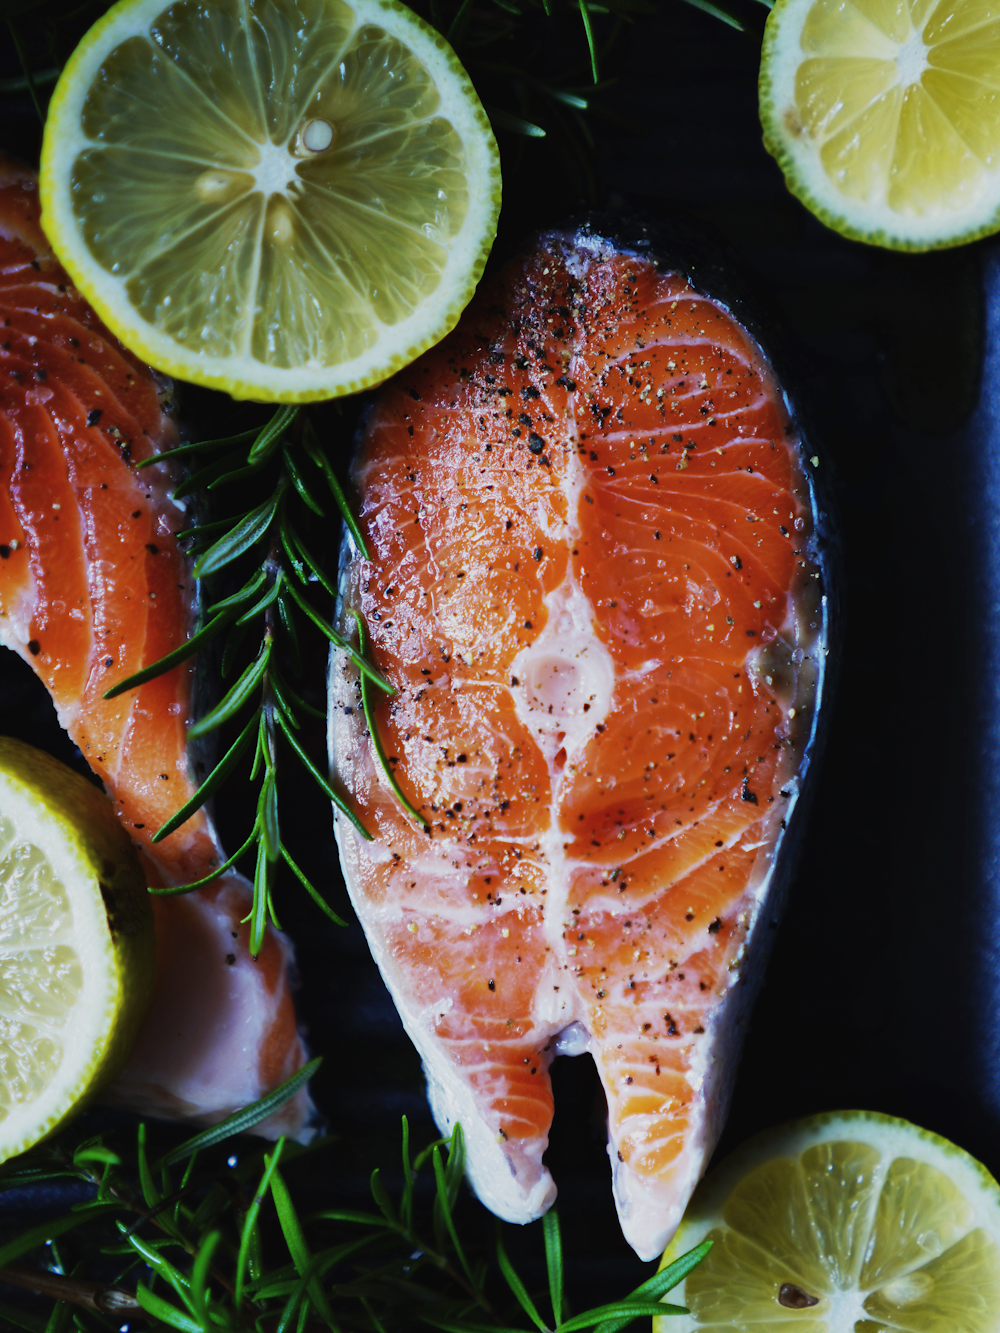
93,587
596,585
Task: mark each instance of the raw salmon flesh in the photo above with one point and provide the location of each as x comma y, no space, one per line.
93,587
595,583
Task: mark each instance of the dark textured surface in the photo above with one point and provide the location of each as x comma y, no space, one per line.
882,991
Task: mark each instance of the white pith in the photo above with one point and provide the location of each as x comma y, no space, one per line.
842,1309
911,60
274,177
80,1031
275,172
972,210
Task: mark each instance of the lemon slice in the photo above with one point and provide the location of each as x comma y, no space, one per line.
77,954
885,116
844,1223
284,199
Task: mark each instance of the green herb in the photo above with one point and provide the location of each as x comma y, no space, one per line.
226,1246
376,740
508,48
284,459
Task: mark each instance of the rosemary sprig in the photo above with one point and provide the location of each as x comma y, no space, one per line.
376,740
542,68
230,1247
284,459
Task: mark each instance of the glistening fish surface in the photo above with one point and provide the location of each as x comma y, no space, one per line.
596,586
93,587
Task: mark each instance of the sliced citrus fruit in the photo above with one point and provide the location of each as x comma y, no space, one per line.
851,1222
885,117
77,953
285,199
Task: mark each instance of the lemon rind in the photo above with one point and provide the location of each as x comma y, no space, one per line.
401,343
891,1135
806,178
75,826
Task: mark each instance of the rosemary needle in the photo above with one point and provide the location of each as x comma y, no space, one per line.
282,582
182,1239
373,732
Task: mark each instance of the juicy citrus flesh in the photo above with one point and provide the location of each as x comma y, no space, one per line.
76,943
287,199
844,1222
885,115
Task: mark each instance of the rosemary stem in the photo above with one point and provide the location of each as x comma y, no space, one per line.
267,813
168,1201
444,1265
91,1295
129,1201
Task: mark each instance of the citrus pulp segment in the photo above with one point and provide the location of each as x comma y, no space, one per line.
77,954
884,116
287,200
851,1222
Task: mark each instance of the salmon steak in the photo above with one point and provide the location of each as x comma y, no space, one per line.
595,583
94,587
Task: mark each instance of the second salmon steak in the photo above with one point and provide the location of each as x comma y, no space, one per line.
596,585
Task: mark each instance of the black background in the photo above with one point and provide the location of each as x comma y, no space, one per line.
882,991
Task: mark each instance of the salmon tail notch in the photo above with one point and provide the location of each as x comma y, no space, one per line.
93,588
600,584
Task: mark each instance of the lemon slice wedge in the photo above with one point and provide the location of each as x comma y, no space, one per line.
885,117
77,952
284,199
845,1223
